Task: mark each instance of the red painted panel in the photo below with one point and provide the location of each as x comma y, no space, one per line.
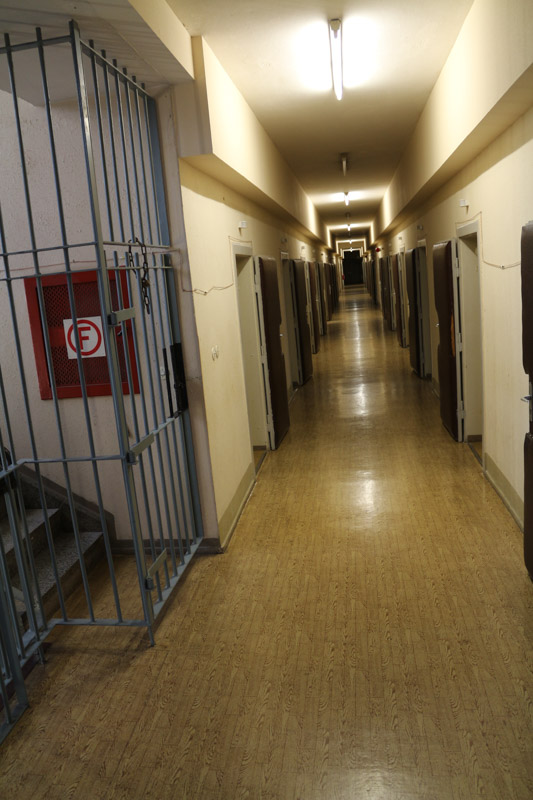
56,309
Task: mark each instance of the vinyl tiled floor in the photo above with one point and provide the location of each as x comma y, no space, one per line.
368,634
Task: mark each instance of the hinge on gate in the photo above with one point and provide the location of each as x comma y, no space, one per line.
149,582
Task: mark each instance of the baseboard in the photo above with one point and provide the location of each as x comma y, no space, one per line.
226,525
508,494
209,547
230,517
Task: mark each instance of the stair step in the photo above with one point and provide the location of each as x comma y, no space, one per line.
37,533
92,545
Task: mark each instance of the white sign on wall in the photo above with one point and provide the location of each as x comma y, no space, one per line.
90,334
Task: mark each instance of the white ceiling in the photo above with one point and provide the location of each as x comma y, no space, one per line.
262,46
259,42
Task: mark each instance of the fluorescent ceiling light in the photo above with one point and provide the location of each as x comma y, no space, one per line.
335,41
359,58
312,57
352,225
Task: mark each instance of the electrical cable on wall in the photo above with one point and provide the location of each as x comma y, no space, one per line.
167,251
202,292
481,239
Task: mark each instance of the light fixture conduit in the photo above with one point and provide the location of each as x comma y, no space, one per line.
335,40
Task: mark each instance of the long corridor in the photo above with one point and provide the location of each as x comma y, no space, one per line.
368,633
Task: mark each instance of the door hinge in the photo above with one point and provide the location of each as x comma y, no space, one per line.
461,410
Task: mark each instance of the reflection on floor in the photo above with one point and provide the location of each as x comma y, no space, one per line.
476,446
259,455
367,635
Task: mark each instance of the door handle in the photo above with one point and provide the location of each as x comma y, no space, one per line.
437,325
527,398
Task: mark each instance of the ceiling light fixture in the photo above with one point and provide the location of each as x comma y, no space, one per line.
344,163
347,198
335,41
349,228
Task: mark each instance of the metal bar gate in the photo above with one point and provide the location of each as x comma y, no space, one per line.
95,438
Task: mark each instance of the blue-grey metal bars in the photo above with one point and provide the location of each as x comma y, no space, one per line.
81,471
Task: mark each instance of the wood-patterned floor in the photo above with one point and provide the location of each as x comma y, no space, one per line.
368,634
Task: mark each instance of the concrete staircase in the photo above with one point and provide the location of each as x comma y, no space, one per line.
60,524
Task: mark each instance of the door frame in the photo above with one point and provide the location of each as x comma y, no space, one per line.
403,296
467,231
309,307
392,293
293,331
457,337
422,289
245,251
268,303
318,275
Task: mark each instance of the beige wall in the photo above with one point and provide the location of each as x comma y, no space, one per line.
78,224
169,30
485,85
499,192
473,142
219,134
212,214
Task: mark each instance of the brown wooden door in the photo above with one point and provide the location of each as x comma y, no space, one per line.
276,360
329,299
320,269
527,358
444,302
303,324
385,291
396,280
314,305
414,334
373,282
334,286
